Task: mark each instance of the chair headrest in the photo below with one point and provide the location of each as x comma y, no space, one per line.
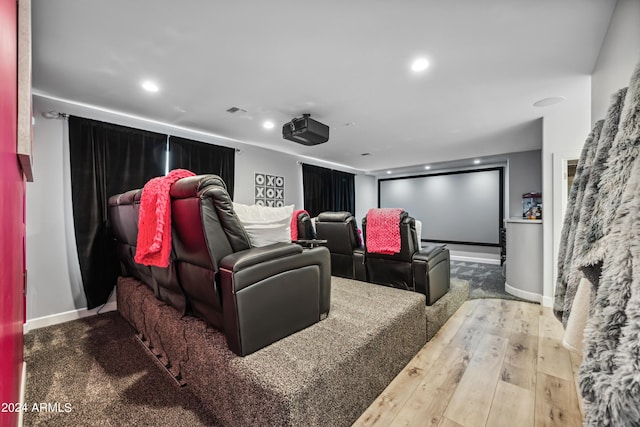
334,217
404,215
127,198
191,186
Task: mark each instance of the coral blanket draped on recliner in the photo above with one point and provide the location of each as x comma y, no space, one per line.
384,234
154,232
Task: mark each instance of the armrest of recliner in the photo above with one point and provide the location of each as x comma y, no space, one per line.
359,266
431,272
271,292
429,250
249,257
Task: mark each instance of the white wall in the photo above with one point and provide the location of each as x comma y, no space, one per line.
366,195
619,54
50,288
250,160
564,130
54,284
567,125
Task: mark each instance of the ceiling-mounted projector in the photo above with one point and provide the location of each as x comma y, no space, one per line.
305,131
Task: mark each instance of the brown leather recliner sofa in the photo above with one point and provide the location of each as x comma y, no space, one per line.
255,295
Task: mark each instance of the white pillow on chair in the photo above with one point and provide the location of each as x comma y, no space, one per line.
419,233
265,225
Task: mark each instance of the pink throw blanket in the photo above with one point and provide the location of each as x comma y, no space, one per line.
294,223
383,231
154,222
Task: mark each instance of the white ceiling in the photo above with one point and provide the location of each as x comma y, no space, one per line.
342,61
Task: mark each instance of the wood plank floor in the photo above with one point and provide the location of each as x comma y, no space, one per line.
494,363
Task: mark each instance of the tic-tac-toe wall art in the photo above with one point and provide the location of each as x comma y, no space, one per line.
269,190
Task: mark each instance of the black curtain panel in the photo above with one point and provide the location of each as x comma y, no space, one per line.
202,158
318,194
344,192
106,159
327,190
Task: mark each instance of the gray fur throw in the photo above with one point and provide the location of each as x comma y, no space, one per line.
581,252
568,275
587,251
610,372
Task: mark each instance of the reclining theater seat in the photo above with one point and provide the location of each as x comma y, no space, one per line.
256,295
425,270
123,214
306,231
340,230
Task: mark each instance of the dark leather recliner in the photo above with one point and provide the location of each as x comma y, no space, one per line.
255,295
425,270
340,230
123,211
306,231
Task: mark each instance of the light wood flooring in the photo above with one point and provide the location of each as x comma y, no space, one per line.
494,363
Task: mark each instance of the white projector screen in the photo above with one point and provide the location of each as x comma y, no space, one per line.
455,207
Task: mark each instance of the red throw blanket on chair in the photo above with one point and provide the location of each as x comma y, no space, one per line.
154,222
294,223
383,231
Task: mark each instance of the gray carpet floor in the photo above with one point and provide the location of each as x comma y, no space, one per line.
96,366
324,375
97,373
485,280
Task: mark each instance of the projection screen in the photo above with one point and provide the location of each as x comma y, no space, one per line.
454,207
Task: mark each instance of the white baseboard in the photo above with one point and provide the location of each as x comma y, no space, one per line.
475,259
23,387
529,296
547,301
54,319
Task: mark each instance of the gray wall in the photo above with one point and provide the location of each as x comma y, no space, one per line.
250,160
366,195
525,176
54,285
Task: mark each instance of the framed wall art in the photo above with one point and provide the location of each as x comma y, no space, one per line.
269,190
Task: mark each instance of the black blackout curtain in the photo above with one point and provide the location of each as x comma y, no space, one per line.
327,190
108,159
105,159
201,158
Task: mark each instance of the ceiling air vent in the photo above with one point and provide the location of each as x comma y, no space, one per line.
234,110
365,154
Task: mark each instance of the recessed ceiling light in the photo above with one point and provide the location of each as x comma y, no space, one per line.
476,162
420,64
150,86
388,172
545,102
427,167
268,124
